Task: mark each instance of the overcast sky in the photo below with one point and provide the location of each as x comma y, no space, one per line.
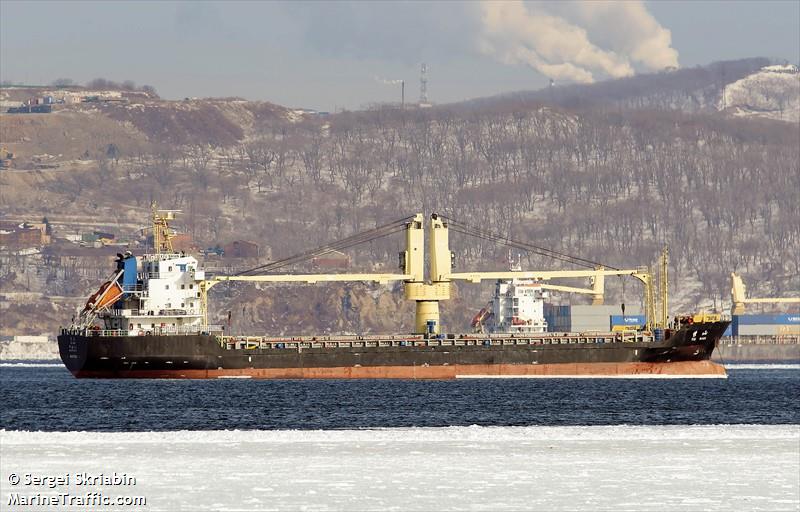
331,55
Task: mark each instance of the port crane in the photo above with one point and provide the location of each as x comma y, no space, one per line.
739,296
428,292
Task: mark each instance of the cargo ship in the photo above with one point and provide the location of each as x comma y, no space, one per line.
150,320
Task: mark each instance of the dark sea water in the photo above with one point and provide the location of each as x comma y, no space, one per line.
50,399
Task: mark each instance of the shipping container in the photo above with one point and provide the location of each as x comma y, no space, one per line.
775,319
632,321
758,330
582,318
597,311
556,309
557,317
765,325
583,324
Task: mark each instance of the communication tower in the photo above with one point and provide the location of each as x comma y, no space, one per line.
423,85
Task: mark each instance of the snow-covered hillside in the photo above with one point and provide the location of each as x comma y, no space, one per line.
772,92
28,348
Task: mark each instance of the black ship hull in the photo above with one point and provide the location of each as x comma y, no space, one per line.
684,352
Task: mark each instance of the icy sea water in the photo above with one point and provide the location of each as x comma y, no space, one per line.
599,468
497,445
49,398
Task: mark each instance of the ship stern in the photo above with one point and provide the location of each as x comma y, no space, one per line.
73,347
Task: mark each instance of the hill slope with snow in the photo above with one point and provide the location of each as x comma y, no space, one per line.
746,87
772,92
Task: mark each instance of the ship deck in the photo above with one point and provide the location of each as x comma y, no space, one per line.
443,340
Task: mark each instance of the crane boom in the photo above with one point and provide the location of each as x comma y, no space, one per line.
568,289
428,293
544,275
314,278
442,275
597,290
411,262
739,296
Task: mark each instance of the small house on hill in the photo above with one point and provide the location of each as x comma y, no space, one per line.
24,235
183,242
241,249
334,259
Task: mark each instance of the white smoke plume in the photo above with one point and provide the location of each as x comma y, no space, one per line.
574,41
564,40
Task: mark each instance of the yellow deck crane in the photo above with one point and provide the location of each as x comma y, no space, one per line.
428,291
442,275
411,262
739,296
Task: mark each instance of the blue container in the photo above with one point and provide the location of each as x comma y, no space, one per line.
777,319
658,334
631,320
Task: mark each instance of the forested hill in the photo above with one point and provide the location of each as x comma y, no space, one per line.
695,87
609,185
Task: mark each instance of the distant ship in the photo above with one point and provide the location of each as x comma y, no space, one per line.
148,321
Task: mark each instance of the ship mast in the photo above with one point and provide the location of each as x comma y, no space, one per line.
664,287
162,234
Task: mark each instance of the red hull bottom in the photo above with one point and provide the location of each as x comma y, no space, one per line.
685,369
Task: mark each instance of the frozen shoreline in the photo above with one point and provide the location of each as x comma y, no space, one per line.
715,467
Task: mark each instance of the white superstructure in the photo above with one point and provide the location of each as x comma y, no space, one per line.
157,293
164,299
516,307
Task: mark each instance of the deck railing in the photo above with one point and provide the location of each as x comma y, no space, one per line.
157,331
304,342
